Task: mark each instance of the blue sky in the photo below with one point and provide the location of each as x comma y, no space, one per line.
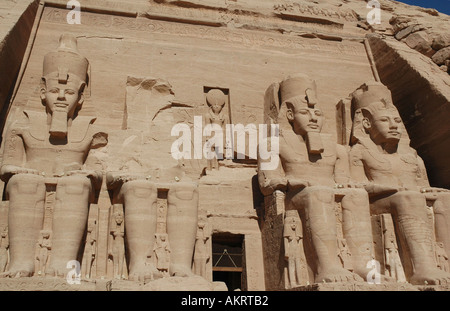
440,5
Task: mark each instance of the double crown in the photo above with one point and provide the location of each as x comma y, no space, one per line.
66,63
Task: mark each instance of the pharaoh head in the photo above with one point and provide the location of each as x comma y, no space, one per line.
118,217
63,82
375,115
298,93
91,225
298,97
215,99
45,234
291,222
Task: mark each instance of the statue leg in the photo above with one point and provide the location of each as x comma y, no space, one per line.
442,220
320,220
411,220
3,259
116,274
182,216
198,269
26,194
120,260
139,198
299,271
43,260
70,216
292,272
357,229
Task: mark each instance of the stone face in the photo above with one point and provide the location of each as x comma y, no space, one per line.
133,154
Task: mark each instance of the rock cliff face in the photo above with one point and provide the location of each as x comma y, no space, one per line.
152,66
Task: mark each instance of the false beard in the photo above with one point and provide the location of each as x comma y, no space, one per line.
58,125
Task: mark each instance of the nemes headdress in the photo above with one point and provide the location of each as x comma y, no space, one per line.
298,85
66,63
370,93
295,89
369,96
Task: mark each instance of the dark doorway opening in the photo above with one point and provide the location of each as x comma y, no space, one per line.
231,279
228,260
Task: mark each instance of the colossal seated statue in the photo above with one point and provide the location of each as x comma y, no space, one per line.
313,170
396,180
51,148
138,194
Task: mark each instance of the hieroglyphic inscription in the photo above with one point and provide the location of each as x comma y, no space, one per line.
245,38
161,205
317,10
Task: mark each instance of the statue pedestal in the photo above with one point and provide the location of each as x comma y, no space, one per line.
51,284
363,286
194,283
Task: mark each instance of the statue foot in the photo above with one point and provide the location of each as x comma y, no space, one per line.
16,273
337,275
53,272
363,272
180,270
433,277
145,273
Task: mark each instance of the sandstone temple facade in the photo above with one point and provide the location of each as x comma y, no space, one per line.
223,145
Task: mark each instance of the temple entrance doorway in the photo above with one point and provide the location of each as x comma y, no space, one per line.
228,264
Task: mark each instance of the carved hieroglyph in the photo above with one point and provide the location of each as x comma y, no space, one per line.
311,167
51,148
395,178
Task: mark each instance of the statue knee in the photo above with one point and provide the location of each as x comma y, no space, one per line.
74,185
410,198
355,198
310,197
442,203
184,191
26,184
319,193
138,189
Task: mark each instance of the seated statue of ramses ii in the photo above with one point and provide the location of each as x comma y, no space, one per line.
311,166
396,180
52,147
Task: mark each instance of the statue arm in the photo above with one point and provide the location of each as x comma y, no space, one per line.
359,177
92,167
356,166
286,247
92,163
270,180
342,166
14,155
422,177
